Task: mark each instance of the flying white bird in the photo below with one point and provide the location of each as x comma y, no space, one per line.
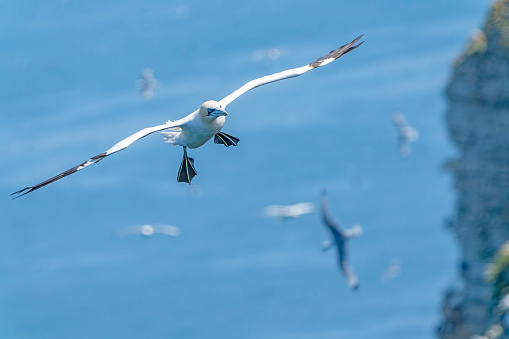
340,236
392,271
283,213
146,84
405,132
200,126
149,230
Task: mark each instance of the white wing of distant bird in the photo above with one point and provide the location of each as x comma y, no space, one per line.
201,125
288,212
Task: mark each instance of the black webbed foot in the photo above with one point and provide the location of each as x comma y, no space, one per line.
186,171
225,139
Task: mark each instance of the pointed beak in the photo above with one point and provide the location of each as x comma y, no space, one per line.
217,113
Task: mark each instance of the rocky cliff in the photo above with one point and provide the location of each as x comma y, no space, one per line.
478,123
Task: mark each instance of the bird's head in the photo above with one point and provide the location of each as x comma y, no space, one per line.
147,73
211,110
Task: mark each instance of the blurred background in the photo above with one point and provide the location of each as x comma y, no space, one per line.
68,91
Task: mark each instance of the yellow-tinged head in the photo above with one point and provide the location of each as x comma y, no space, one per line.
212,109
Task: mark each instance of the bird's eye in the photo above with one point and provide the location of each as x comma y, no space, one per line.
210,110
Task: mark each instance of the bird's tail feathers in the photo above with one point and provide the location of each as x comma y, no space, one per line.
172,136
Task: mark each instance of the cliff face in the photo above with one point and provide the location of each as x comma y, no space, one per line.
478,123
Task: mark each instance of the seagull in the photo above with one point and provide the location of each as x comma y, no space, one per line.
392,271
406,133
201,125
340,236
283,213
146,84
148,230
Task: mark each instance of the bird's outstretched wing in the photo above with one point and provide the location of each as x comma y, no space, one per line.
116,148
350,276
327,217
345,267
400,121
168,230
291,73
302,208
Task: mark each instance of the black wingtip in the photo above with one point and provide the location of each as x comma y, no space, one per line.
338,52
354,47
20,192
23,190
16,197
354,41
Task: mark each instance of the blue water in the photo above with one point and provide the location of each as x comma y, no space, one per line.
67,93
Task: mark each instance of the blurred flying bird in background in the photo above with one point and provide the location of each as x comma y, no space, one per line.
146,84
340,236
405,133
200,126
392,271
149,230
282,213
